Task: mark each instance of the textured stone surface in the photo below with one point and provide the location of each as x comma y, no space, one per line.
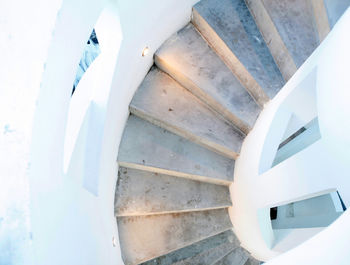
162,101
295,23
188,59
209,256
236,257
194,250
272,38
231,21
252,261
321,18
145,237
149,147
140,193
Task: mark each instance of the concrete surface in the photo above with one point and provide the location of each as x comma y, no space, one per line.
232,62
321,18
188,59
232,22
295,23
272,38
143,193
209,256
149,147
235,257
162,101
196,249
140,241
252,261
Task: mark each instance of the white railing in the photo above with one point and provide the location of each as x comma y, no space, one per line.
319,89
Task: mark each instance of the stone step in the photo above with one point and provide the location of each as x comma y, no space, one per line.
238,256
187,57
272,38
140,192
252,261
230,29
186,253
294,22
321,18
163,102
208,256
144,238
149,147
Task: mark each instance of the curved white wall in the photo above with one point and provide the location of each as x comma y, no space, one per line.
67,221
319,88
60,218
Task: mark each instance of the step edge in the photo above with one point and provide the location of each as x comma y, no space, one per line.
245,259
206,98
199,254
223,256
172,212
273,40
218,148
230,59
185,245
179,174
321,19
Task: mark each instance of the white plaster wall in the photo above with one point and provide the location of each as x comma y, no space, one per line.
320,168
291,238
57,219
331,246
47,216
24,41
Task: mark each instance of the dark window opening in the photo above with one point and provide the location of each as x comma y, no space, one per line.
273,213
341,201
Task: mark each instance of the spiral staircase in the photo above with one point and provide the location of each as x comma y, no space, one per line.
189,118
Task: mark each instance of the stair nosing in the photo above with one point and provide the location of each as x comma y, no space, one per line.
186,245
220,149
251,85
218,259
246,257
287,67
175,173
207,99
175,211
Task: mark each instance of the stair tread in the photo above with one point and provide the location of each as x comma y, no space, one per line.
140,192
208,256
252,261
234,25
294,21
140,241
187,57
164,102
149,147
196,249
238,256
272,38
